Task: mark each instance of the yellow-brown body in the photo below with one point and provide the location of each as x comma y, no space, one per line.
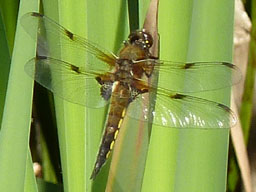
123,88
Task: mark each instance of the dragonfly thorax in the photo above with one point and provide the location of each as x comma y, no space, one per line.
123,70
124,64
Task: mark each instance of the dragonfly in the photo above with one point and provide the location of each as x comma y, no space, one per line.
122,81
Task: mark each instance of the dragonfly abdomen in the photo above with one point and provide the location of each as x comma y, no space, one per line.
116,114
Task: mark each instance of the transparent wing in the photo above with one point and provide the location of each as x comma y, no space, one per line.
54,41
181,111
193,77
70,82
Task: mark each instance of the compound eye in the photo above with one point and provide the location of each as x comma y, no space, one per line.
141,38
134,37
148,40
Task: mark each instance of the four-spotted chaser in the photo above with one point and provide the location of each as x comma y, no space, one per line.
95,77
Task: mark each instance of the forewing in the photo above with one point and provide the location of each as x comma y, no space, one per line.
54,41
70,82
181,111
194,77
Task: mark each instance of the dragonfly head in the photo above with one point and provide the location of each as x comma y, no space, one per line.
141,38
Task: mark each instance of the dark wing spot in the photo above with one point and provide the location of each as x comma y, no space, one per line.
188,65
224,107
41,57
69,34
144,90
36,14
99,80
177,96
230,65
75,68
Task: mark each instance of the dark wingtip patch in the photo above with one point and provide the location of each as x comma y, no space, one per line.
230,65
188,65
178,96
35,14
226,108
75,68
69,34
